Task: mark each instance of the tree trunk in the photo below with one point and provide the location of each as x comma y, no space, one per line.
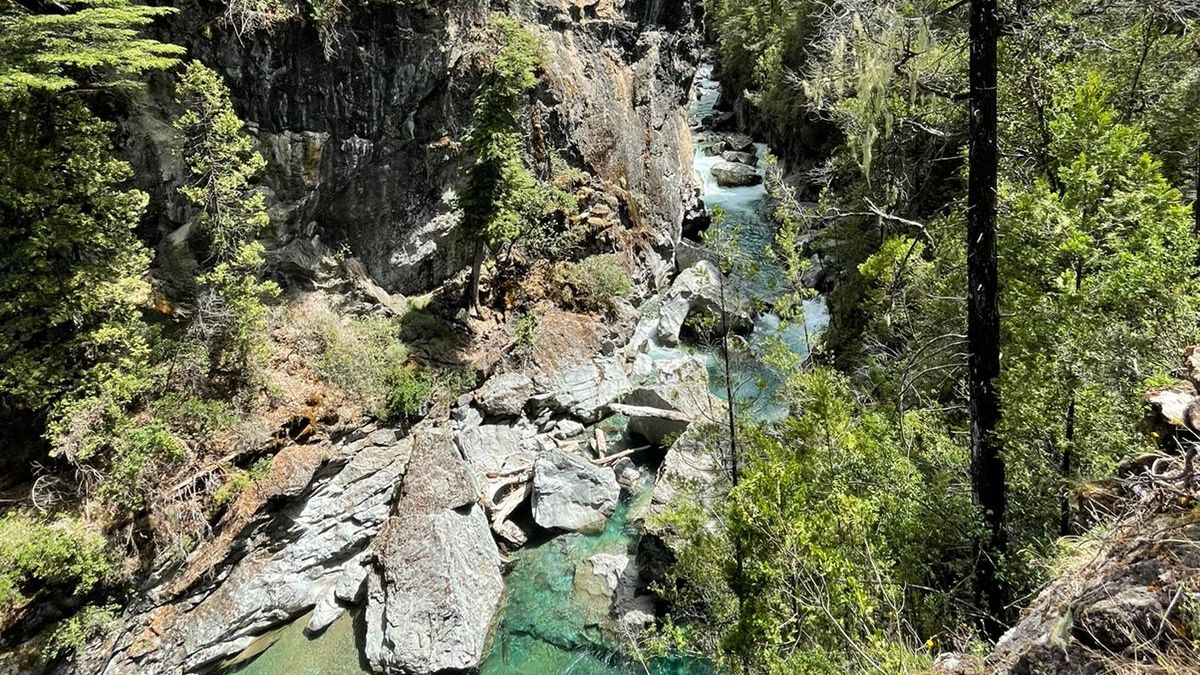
1064,469
983,311
476,270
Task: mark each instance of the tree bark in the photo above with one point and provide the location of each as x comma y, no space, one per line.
983,311
476,270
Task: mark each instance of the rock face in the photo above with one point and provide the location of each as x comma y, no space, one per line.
730,174
435,584
293,560
362,133
1122,603
571,493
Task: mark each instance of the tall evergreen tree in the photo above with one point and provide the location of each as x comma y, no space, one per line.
500,190
230,317
71,268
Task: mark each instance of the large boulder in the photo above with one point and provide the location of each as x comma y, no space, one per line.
690,469
655,424
504,395
737,157
1114,607
583,390
571,493
731,174
434,592
696,289
434,586
739,142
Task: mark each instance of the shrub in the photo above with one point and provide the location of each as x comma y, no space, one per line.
409,393
35,555
73,634
599,280
359,355
239,481
524,331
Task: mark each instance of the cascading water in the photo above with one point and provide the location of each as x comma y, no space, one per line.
548,625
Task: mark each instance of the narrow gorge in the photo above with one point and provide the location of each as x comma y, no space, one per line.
602,337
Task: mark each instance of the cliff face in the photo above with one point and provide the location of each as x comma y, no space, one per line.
361,133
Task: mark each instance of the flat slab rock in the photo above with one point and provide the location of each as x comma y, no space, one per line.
435,586
434,592
571,493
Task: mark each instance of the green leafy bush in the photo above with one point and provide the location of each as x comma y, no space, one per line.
35,555
599,280
237,483
73,634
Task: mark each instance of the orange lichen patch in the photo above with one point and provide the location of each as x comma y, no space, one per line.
148,639
565,337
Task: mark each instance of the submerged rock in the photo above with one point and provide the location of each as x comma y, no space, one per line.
571,493
730,174
435,583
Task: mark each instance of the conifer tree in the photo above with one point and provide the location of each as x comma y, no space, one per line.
230,315
78,44
500,190
71,268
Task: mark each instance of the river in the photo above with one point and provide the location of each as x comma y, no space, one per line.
548,627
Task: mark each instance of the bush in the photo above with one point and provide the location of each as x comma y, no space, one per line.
35,555
409,394
598,280
359,356
239,481
73,634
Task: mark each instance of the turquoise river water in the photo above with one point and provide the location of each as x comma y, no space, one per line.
546,627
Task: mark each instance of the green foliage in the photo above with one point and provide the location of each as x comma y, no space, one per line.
524,334
72,635
500,191
1099,262
599,280
79,44
408,395
71,269
63,555
231,314
837,520
239,481
357,355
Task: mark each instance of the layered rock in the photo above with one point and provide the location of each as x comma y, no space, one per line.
1121,606
434,585
277,566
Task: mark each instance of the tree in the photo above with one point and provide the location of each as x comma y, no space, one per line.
983,308
500,190
78,44
230,314
1100,288
71,268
